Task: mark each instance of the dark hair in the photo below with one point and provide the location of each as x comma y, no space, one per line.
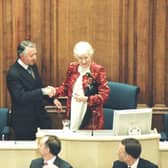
54,144
22,46
132,147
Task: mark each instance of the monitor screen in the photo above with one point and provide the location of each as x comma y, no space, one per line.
132,121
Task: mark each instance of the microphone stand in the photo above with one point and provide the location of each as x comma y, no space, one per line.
92,131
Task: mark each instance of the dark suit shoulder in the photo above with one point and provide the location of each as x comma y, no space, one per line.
14,69
119,164
62,163
36,163
38,159
146,164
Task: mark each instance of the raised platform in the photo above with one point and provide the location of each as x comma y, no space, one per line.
99,150
82,149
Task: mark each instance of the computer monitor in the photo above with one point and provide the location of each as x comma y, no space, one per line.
132,121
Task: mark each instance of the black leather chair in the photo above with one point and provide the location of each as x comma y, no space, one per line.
4,123
122,96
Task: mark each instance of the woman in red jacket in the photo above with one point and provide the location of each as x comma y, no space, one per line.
86,88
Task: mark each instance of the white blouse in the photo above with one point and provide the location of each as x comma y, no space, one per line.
78,109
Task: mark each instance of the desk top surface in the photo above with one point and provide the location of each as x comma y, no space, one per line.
163,146
89,135
18,145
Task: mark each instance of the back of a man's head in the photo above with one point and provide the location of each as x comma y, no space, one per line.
54,144
132,147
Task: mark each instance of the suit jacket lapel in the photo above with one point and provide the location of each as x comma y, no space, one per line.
41,162
24,74
140,163
57,161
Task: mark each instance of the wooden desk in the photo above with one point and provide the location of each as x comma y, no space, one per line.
82,150
163,148
17,154
57,116
99,151
158,118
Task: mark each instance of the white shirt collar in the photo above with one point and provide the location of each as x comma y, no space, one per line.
135,165
20,62
82,70
51,161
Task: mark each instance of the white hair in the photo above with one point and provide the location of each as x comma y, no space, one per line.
83,48
24,46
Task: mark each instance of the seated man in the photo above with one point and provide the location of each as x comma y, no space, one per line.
49,147
129,155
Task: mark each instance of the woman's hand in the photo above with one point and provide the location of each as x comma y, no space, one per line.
81,98
58,104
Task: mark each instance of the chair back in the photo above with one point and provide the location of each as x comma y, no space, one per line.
4,118
121,96
164,132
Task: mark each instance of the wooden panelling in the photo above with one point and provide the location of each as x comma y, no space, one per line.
130,40
1,58
160,55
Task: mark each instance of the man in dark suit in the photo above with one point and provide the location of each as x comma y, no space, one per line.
129,155
49,147
27,94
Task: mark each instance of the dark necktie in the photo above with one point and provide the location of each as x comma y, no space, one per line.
30,71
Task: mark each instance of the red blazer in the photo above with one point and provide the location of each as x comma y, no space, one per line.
96,101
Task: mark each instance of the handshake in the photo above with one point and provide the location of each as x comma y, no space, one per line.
49,90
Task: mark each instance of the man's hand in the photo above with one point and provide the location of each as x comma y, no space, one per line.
49,90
